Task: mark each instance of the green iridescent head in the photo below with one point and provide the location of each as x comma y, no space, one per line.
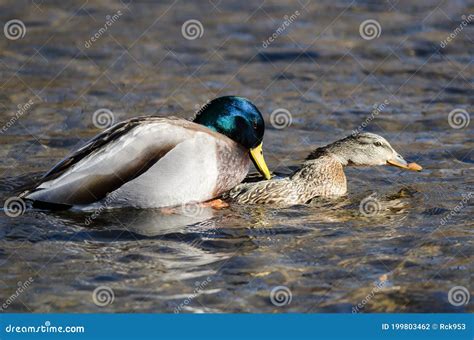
241,121
235,117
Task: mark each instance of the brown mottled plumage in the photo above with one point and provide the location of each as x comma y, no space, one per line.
322,173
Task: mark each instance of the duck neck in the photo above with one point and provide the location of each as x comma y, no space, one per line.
334,150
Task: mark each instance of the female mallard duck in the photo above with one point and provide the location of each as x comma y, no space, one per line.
159,162
322,174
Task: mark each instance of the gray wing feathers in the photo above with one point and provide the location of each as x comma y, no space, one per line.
111,159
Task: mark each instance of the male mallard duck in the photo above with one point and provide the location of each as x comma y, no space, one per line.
322,174
158,162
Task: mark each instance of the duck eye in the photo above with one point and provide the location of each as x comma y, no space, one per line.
378,144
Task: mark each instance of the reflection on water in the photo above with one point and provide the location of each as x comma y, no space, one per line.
401,249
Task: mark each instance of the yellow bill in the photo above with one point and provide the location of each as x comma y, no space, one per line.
256,154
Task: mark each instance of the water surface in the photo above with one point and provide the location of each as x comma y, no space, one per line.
328,254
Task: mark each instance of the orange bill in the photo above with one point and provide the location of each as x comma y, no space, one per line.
404,165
